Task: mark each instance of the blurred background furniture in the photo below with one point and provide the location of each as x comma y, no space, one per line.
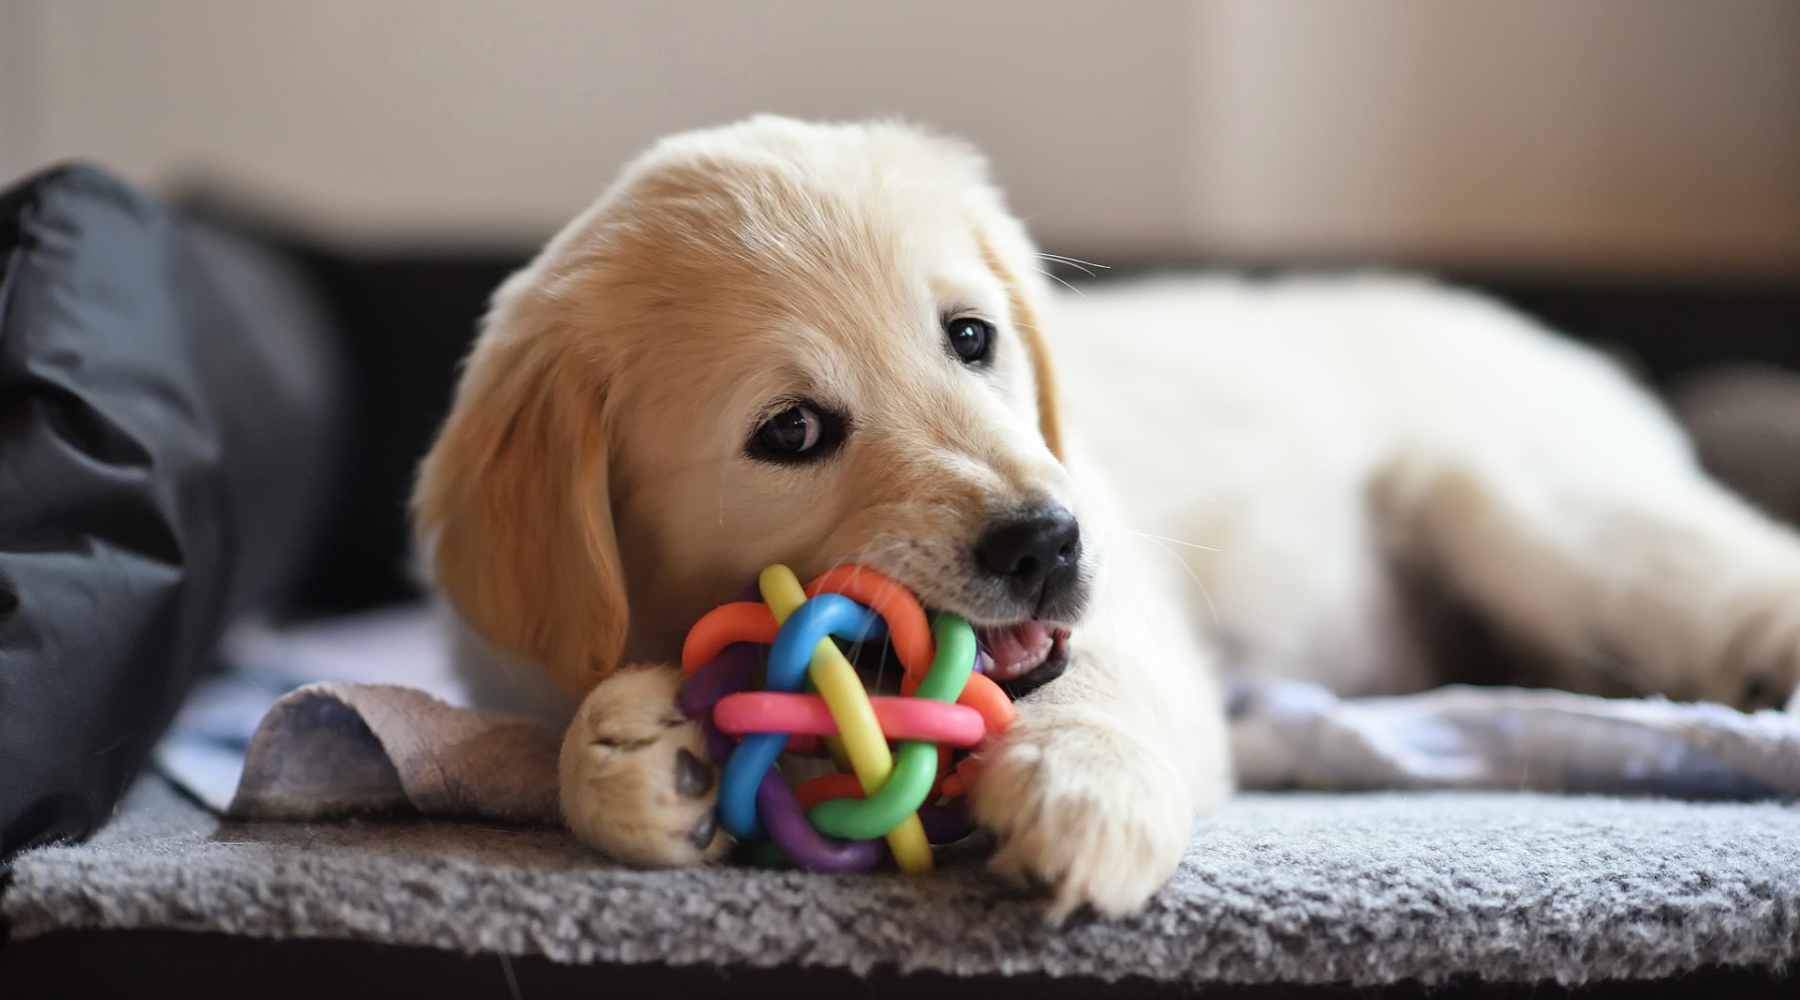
1629,170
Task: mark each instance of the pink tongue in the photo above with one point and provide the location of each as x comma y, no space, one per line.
1017,649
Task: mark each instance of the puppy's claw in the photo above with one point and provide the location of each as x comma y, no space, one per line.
1087,815
701,836
1036,884
635,780
692,778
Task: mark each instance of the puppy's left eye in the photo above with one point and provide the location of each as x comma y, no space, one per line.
799,433
971,339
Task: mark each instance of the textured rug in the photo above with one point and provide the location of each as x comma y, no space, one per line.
1293,887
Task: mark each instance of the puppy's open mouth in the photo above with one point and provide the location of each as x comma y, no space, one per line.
1024,655
1020,657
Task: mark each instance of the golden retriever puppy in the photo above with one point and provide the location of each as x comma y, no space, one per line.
816,344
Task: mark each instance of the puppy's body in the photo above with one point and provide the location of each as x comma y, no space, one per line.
1344,444
1264,477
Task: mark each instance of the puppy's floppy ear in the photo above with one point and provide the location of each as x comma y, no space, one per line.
1024,299
512,505
1007,250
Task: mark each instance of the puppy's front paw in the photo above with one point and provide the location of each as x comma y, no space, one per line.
1084,810
636,781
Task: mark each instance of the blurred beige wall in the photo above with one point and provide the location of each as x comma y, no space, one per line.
1632,137
1644,138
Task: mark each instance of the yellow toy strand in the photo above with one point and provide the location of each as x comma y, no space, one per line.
857,726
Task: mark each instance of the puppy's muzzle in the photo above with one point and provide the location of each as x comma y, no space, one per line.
1036,558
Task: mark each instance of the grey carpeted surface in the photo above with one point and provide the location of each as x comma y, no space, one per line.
1302,888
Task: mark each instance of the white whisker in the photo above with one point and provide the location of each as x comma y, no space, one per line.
1192,576
1076,262
1208,499
1078,265
1053,277
1177,541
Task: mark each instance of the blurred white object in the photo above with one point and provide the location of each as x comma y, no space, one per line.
1288,734
408,646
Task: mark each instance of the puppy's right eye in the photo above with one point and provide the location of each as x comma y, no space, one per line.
798,433
793,431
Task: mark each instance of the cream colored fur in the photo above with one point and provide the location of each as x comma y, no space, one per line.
1257,468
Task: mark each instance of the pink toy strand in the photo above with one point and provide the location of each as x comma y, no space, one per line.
900,718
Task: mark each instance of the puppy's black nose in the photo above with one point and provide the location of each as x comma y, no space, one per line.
1036,555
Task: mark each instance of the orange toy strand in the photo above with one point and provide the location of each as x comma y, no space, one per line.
984,696
944,771
907,628
968,770
742,621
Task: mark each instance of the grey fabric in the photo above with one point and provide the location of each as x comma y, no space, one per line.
1296,887
330,750
1285,734
204,749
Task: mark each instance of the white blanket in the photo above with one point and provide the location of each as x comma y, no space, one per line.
1287,734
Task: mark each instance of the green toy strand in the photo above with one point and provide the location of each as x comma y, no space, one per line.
915,761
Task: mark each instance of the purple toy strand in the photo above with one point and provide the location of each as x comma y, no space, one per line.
718,745
806,847
732,671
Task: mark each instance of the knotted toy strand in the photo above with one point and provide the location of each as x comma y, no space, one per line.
938,658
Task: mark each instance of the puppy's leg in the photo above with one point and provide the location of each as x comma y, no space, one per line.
1094,790
636,781
1576,520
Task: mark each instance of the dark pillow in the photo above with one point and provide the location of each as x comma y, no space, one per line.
165,429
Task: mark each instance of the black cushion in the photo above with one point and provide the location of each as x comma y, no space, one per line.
165,431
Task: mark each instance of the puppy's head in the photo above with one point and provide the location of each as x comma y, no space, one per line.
771,342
